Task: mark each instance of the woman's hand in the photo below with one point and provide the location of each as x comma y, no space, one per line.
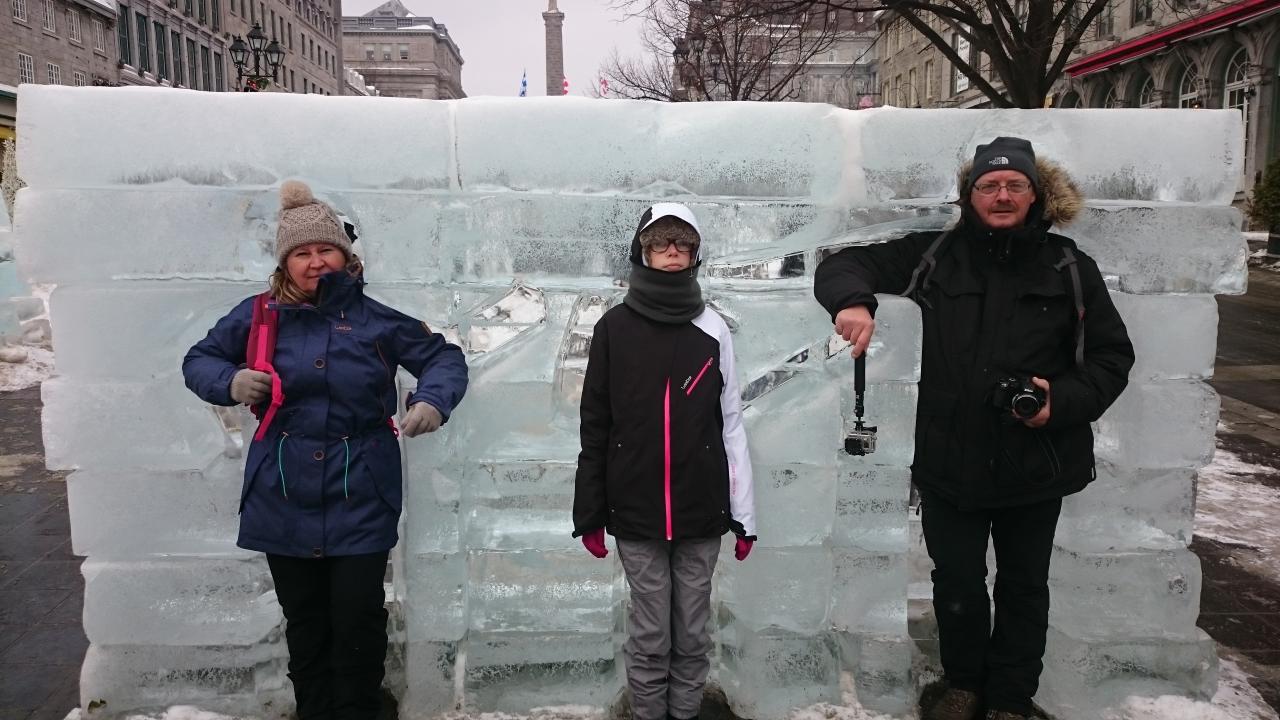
250,387
421,418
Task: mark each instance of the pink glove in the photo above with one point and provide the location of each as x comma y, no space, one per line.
594,543
741,549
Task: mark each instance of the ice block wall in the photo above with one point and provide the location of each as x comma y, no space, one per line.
505,223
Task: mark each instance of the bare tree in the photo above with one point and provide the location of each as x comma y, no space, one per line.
721,50
1027,42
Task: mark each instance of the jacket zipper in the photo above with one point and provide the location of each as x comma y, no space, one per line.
666,453
701,372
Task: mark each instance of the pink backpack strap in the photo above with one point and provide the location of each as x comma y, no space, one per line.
258,356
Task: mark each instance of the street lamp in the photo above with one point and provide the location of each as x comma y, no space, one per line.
265,56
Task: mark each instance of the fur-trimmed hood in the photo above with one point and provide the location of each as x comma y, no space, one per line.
1058,195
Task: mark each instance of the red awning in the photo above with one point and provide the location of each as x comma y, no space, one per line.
1157,40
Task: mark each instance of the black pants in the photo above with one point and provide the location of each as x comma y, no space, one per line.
1002,665
336,627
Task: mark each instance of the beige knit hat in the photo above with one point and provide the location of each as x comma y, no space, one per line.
303,220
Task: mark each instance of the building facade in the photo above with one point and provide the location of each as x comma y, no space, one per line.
845,73
55,42
403,55
1187,54
803,57
185,43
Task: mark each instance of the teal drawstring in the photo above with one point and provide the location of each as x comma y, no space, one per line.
346,464
280,464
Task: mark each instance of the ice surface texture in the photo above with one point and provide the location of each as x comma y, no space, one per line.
506,224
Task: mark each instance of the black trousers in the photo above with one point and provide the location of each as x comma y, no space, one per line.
336,628
1002,664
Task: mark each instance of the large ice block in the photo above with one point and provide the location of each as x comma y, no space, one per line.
871,506
767,674
185,601
783,590
514,672
55,152
238,681
1160,425
868,593
542,591
133,514
434,597
126,313
1162,499
784,150
156,425
1164,248
1169,335
1083,676
915,153
1103,594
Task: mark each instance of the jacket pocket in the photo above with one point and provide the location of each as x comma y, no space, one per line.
258,455
1027,456
382,464
1043,319
936,442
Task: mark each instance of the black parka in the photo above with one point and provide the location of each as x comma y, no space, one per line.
998,304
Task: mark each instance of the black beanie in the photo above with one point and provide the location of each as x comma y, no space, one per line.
1005,153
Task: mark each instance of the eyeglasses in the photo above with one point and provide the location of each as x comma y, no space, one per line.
661,245
1015,187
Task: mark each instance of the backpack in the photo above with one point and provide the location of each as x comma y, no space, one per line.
928,263
258,355
260,351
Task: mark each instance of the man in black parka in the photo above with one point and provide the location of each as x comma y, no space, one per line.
1000,297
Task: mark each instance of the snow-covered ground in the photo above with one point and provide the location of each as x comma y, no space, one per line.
1232,509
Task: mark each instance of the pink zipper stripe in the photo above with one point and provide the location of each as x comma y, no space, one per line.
701,372
666,453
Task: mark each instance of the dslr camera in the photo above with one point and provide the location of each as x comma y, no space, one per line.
1016,394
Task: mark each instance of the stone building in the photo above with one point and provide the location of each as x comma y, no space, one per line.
55,42
1186,54
1138,54
403,55
842,72
185,43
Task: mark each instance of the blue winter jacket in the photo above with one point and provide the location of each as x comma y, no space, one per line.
326,478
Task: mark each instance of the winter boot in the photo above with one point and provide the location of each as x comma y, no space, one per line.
955,704
1004,715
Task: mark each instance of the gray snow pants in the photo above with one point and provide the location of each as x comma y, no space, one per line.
668,642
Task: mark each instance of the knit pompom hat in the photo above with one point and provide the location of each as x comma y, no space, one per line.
303,220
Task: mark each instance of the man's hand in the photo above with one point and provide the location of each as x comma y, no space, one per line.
421,418
250,387
1041,417
856,325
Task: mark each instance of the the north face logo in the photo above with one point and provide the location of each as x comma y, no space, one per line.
1001,160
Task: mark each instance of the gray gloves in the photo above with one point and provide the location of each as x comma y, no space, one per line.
250,387
421,418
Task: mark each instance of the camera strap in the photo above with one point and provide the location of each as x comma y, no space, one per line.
928,263
1077,295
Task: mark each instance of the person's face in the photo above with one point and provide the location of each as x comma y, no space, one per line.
307,264
670,246
1010,199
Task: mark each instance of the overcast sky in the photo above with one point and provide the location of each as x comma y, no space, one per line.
501,38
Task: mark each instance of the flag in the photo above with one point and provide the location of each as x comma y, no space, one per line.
565,87
604,86
524,84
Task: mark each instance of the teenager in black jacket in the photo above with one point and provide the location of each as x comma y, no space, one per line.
1004,303
664,465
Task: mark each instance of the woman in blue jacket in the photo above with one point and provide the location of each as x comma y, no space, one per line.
322,482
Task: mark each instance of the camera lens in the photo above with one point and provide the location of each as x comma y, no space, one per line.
1025,406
